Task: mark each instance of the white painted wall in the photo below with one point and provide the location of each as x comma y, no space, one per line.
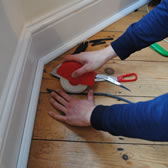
10,28
14,14
20,12
36,8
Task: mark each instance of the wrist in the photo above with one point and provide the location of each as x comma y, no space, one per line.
109,53
89,116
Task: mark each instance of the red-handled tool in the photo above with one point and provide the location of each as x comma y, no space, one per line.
116,80
77,85
122,78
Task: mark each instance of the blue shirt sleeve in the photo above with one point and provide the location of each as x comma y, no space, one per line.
151,28
146,120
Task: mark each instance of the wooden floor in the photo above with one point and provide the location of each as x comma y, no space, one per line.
57,145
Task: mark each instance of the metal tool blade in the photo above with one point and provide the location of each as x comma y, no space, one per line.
100,79
111,80
125,87
54,72
117,83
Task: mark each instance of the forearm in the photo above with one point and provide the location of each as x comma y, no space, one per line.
145,120
151,28
108,53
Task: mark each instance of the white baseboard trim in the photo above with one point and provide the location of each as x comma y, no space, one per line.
54,16
29,124
10,92
36,48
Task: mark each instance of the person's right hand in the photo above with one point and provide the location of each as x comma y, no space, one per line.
91,60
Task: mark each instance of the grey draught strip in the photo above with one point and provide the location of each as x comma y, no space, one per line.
96,94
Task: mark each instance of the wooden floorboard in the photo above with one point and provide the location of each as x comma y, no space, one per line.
53,154
123,23
57,145
47,128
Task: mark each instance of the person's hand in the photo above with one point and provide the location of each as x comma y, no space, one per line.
76,112
91,60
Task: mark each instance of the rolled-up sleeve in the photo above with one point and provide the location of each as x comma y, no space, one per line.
151,28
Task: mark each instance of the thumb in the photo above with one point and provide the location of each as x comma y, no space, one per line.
91,96
72,58
79,72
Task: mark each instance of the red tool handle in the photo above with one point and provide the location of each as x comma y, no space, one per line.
122,77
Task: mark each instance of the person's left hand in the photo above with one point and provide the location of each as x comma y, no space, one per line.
77,112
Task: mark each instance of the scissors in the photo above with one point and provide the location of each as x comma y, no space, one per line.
116,80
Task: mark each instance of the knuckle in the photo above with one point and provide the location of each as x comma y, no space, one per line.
55,104
87,68
62,93
57,96
66,119
52,100
54,94
69,105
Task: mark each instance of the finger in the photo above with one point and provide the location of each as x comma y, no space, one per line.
59,98
65,95
57,117
58,106
72,58
91,96
79,72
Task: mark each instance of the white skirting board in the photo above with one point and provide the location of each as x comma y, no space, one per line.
42,41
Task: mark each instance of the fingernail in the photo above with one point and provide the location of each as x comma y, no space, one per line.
50,113
73,75
52,93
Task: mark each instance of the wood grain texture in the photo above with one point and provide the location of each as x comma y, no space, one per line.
123,23
81,155
48,128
